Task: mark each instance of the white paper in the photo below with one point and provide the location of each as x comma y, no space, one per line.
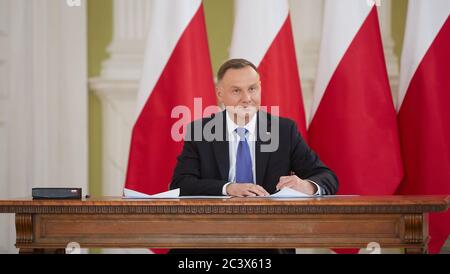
285,192
171,194
204,197
131,194
288,192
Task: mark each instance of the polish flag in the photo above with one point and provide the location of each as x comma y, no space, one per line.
177,69
424,108
354,128
262,34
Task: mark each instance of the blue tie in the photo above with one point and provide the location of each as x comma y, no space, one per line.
244,172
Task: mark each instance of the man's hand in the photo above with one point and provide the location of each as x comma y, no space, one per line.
296,183
246,190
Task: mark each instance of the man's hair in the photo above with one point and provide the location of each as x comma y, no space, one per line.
233,64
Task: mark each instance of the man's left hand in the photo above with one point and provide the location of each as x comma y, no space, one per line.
296,183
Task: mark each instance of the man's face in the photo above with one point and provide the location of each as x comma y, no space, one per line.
240,92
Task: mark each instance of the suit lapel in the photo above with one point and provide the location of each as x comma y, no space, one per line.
261,158
221,148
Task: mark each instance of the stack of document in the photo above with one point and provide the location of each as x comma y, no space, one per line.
288,192
175,194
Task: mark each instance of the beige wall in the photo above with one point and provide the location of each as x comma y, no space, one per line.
398,23
219,24
99,36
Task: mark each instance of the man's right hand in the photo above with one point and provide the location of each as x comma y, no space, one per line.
245,190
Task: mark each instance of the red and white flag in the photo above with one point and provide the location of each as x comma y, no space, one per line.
424,108
354,127
262,34
177,68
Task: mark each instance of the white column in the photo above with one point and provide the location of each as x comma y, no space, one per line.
118,103
117,88
43,100
127,48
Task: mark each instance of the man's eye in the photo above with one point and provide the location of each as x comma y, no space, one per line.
235,91
252,89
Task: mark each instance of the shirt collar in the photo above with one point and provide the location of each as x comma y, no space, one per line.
250,126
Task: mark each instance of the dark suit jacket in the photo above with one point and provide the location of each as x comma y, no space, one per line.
203,166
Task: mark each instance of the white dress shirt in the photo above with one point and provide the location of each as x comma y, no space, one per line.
233,142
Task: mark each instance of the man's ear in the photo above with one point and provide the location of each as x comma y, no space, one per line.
219,93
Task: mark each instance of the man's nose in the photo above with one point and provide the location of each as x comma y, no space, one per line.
246,97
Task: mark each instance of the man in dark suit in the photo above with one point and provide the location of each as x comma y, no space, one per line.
248,152
244,151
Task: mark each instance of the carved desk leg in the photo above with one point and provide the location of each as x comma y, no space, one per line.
42,251
416,232
416,250
24,232
25,236
26,251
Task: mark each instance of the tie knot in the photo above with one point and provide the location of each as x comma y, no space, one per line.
241,132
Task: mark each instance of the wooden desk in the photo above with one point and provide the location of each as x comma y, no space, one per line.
346,221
